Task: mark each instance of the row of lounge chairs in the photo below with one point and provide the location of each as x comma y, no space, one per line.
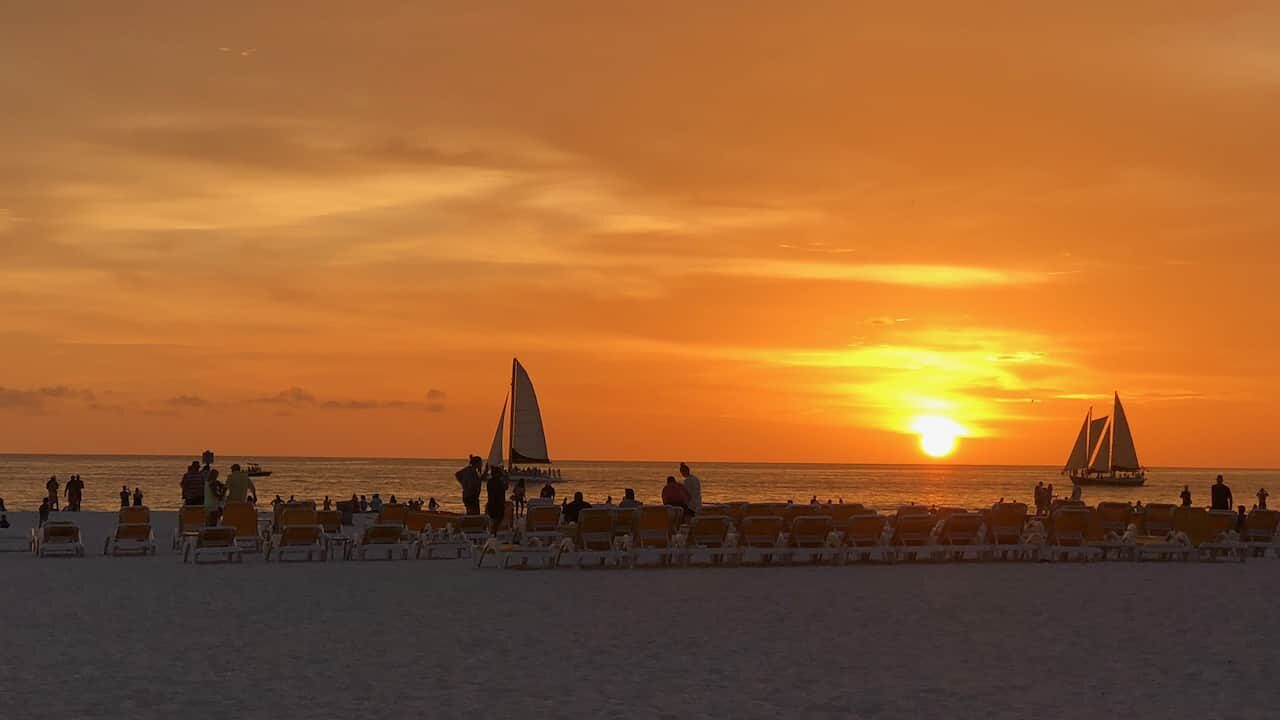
762,534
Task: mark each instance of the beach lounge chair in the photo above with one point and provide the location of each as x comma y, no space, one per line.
475,528
301,536
213,544
330,522
437,535
593,538
1067,535
59,537
542,522
812,541
132,535
191,518
864,535
760,539
385,540
1221,539
963,533
706,540
653,536
1114,517
912,535
1260,532
1005,525
243,517
1157,520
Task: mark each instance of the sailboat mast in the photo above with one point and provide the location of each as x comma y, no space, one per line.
511,431
1111,438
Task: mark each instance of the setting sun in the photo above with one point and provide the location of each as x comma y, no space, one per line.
937,434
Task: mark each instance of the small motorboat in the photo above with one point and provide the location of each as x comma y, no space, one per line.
255,470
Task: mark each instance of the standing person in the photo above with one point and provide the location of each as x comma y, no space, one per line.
1039,495
432,505
694,486
1076,492
1220,495
214,491
1186,496
239,484
137,497
124,496
517,497
75,493
548,491
328,504
1262,498
364,504
375,504
495,507
469,478
193,485
52,487
1242,517
44,512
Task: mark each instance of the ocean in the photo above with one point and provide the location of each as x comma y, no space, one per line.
23,477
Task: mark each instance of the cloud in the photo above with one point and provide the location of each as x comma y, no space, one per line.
187,401
35,399
296,397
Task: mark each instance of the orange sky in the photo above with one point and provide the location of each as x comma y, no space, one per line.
739,231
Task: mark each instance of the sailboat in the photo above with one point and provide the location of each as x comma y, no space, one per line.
1104,453
526,441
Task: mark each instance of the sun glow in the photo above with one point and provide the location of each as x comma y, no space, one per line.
937,434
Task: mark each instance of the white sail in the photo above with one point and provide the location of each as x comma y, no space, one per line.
495,450
1079,459
528,441
1101,460
1124,456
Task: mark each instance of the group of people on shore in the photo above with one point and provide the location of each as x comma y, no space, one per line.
495,483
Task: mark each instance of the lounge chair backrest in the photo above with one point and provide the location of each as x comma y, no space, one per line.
216,537
811,530
1157,519
242,517
1220,521
1005,522
297,516
300,535
913,529
1070,525
330,520
655,527
760,530
133,531
61,531
709,530
595,529
393,514
962,528
1114,516
1260,525
911,510
626,521
134,515
382,534
864,530
546,518
191,518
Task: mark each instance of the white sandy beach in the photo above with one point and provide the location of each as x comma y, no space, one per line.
151,637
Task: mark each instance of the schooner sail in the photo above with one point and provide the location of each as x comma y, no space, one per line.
1104,453
526,442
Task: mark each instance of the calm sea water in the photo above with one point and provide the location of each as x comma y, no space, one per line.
22,479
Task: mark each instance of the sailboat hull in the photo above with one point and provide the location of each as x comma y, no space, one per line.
1111,480
530,478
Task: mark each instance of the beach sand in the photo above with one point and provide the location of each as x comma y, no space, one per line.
151,637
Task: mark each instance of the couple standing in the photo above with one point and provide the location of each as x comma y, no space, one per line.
686,494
